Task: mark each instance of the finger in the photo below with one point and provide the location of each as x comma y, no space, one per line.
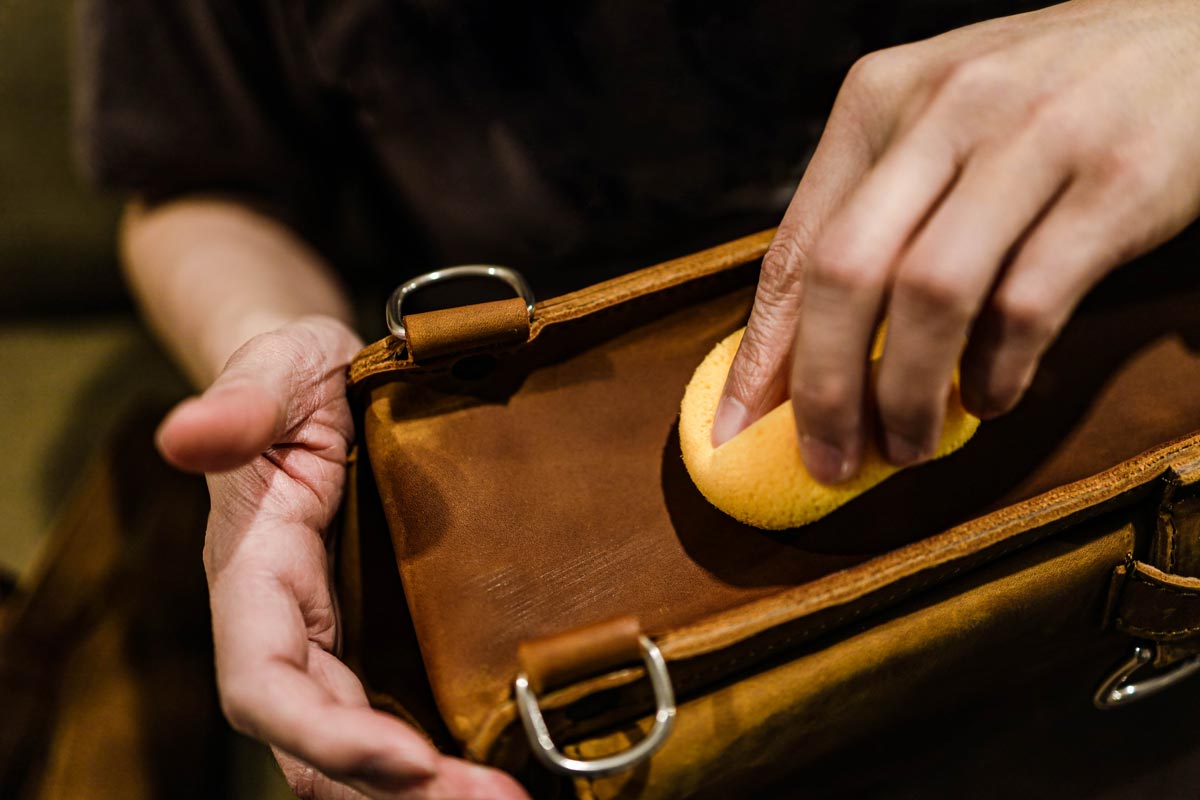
453,778
306,782
459,779
246,410
278,686
1059,261
941,282
757,380
844,286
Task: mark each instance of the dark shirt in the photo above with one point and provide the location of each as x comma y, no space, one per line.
406,134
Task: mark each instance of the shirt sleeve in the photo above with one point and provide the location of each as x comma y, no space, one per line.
189,96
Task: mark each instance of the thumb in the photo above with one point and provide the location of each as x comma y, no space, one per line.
757,380
243,413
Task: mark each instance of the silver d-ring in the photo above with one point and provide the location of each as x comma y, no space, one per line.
664,720
1120,689
395,303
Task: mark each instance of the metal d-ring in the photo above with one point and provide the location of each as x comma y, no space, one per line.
395,303
549,754
1120,689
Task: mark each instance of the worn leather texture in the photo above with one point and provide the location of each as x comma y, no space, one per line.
542,492
459,331
792,714
1156,605
558,660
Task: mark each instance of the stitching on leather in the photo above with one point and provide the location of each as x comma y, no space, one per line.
1191,594
835,620
936,577
1150,632
1082,505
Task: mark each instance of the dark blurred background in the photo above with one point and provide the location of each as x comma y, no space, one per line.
105,669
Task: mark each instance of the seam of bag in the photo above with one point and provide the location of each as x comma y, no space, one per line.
1168,635
859,611
1152,585
698,677
387,361
1082,506
1134,480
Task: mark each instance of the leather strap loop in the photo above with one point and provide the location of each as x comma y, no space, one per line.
389,355
464,329
1177,541
1152,604
563,658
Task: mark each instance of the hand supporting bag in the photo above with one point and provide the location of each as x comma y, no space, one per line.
523,471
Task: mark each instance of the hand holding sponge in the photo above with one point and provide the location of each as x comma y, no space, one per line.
757,477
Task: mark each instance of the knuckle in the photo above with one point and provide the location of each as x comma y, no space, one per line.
757,361
237,702
835,266
1130,169
976,81
879,71
780,276
1027,316
824,398
935,295
868,71
1056,125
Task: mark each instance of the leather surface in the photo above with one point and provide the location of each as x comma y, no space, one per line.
1040,609
551,495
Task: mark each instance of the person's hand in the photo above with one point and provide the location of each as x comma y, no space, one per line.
272,433
972,187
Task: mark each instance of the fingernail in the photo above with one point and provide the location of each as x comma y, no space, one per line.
902,452
731,418
825,462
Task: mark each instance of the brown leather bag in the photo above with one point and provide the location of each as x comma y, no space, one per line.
523,474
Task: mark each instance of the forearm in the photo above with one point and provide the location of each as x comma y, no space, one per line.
211,274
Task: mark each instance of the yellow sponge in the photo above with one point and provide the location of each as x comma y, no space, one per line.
757,477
